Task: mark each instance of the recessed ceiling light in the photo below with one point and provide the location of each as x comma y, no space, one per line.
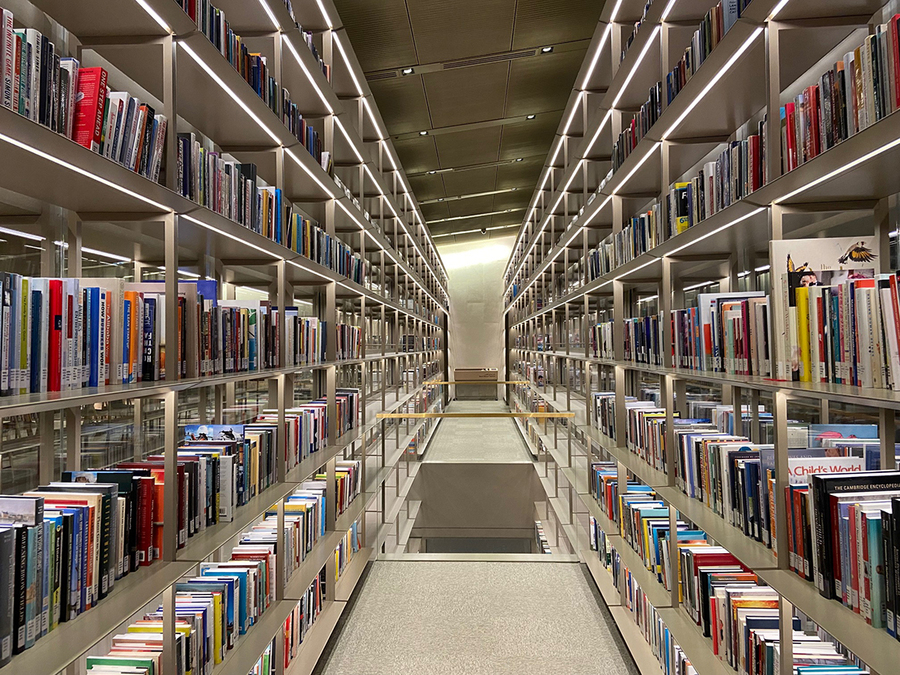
546,50
519,159
530,117
407,71
514,189
423,133
432,171
440,199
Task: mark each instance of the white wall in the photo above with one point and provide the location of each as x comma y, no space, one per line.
476,301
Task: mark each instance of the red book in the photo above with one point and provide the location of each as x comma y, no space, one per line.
54,347
791,136
146,496
90,102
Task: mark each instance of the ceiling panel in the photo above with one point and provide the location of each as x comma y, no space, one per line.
402,104
474,146
529,138
541,84
512,200
417,155
427,187
379,32
446,31
466,95
508,219
519,173
539,22
471,206
435,211
459,225
467,182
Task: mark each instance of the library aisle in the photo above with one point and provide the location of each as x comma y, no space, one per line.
476,617
477,440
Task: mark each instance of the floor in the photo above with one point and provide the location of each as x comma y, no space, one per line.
474,618
477,440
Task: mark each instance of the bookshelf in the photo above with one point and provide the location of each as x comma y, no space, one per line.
554,298
83,215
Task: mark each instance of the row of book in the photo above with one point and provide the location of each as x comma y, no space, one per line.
251,66
67,334
634,33
853,94
639,236
643,337
71,540
840,503
43,84
728,602
542,545
308,239
738,171
637,127
304,131
717,22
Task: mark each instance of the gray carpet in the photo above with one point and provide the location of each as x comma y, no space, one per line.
469,618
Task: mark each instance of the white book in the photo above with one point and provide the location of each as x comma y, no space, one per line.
892,347
816,369
71,66
7,57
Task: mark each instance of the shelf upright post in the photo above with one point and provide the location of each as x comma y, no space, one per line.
169,657
170,490
73,438
773,103
170,109
781,475
283,381
887,429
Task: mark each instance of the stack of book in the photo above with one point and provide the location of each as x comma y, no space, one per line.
303,130
639,236
855,93
311,241
639,125
41,83
711,582
738,171
349,342
252,67
712,29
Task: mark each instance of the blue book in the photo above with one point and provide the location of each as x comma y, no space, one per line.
241,575
36,301
93,296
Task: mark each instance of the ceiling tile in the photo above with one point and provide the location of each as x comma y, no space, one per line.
539,85
417,155
427,187
529,139
379,32
466,95
435,211
468,207
463,148
512,200
539,22
519,173
402,104
467,182
460,225
445,31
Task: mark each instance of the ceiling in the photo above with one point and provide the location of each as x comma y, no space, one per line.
479,73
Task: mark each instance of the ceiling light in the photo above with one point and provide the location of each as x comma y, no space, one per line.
24,235
407,71
530,117
440,199
546,50
423,133
764,268
432,172
514,189
519,159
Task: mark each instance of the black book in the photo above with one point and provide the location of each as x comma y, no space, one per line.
108,526
146,142
822,487
887,541
20,625
128,488
7,591
41,98
65,554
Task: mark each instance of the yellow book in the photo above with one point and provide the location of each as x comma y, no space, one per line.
802,298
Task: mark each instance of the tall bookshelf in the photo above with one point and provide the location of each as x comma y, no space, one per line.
552,301
72,213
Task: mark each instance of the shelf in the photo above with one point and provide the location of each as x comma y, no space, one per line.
346,583
315,640
70,640
309,569
603,578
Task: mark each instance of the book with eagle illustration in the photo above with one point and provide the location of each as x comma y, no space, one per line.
826,311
